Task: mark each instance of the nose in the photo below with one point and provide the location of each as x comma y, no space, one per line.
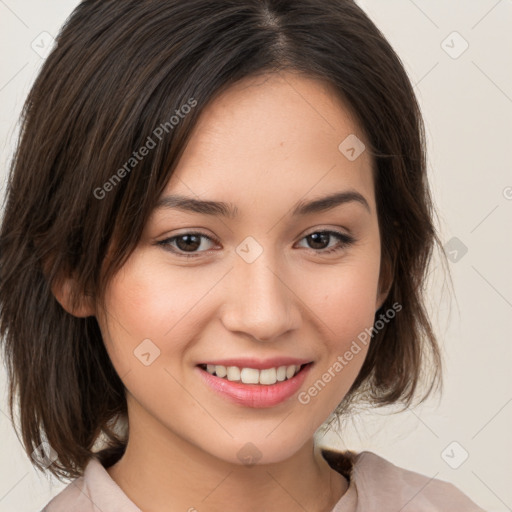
261,303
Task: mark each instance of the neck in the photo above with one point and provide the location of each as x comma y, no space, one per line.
164,472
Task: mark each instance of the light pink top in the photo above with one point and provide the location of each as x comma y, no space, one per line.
376,485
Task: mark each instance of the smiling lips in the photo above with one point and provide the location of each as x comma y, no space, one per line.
253,383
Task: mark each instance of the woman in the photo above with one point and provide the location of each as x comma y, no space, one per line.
217,230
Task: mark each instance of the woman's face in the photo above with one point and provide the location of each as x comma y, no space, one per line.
263,287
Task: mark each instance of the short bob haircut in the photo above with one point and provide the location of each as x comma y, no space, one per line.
122,68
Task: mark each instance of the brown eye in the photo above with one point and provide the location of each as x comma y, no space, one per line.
319,241
186,243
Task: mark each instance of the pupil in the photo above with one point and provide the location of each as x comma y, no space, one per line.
196,242
315,237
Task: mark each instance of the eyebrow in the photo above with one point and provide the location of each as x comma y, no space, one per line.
230,210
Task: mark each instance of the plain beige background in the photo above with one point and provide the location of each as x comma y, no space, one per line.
459,56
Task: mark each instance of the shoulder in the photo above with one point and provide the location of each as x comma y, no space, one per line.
74,497
382,486
93,491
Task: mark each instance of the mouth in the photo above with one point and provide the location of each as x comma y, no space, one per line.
254,376
251,387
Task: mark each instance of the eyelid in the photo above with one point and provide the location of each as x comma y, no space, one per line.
336,230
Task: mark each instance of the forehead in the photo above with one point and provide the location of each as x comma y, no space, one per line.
274,139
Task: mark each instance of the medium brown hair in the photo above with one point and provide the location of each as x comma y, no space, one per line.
120,69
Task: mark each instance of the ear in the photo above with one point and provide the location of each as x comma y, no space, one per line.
386,277
63,291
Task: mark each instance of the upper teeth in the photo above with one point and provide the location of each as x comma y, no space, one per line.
252,375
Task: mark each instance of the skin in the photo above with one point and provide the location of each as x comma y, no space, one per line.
263,145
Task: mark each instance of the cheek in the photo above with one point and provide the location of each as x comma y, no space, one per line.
344,297
345,313
145,302
351,307
152,300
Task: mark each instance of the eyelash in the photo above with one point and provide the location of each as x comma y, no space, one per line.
345,241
